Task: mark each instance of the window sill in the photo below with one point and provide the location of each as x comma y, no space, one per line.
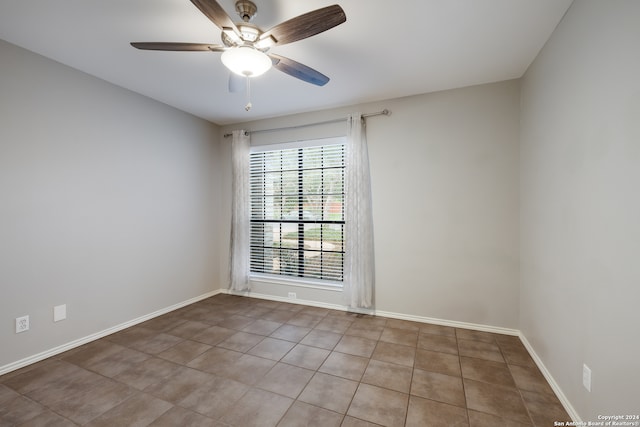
299,282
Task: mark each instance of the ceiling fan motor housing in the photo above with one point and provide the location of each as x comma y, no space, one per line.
246,9
248,32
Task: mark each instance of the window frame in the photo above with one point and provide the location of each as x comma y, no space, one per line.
292,280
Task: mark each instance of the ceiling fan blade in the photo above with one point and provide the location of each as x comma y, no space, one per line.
182,47
306,25
212,10
237,83
298,70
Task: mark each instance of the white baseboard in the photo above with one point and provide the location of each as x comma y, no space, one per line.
284,299
552,382
84,340
451,323
389,314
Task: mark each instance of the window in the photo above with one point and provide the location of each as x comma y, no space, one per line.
297,210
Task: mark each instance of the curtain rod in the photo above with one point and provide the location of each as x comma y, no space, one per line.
384,112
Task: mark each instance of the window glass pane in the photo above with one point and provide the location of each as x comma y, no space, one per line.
272,161
333,208
288,183
289,159
312,158
312,193
333,266
289,262
333,156
333,181
313,264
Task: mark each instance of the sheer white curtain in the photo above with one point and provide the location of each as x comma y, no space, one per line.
240,214
359,271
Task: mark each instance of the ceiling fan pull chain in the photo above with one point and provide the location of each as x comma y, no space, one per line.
248,91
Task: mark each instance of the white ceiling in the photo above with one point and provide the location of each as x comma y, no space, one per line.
386,49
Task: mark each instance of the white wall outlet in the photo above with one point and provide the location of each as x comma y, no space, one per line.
586,377
59,312
22,324
292,295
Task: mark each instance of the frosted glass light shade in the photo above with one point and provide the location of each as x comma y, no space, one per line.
246,61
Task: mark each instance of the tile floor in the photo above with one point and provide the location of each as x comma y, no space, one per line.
238,361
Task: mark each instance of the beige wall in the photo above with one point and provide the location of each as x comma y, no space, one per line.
108,204
445,192
580,206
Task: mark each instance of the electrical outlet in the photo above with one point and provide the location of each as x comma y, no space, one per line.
292,295
59,312
22,324
586,377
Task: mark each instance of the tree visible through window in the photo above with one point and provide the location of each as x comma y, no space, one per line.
297,211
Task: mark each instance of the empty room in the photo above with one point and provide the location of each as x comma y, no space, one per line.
265,213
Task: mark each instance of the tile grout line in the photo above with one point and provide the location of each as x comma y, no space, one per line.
464,391
526,407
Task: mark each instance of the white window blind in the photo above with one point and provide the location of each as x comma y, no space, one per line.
297,210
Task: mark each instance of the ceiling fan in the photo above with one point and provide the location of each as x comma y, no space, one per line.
245,45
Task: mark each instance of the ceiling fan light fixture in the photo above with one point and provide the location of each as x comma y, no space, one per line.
246,61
